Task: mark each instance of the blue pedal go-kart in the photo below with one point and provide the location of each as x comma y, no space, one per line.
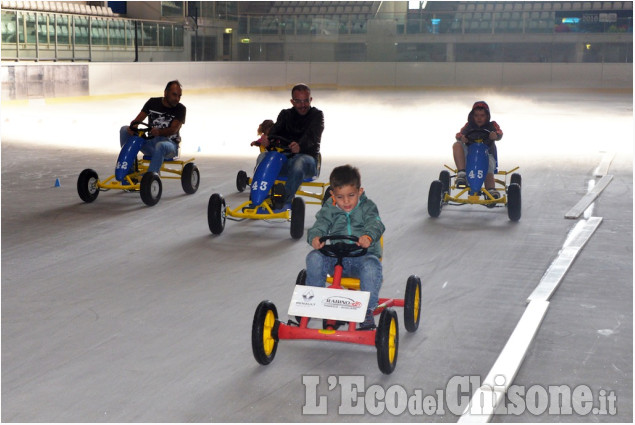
266,198
131,173
444,191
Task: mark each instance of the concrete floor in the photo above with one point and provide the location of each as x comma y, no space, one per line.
118,312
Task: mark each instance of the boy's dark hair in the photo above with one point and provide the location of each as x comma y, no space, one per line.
300,87
167,86
345,175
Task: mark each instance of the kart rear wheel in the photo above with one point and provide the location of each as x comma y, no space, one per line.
151,188
435,196
412,304
513,201
241,180
300,280
297,218
516,178
387,341
444,178
264,333
216,214
190,178
87,185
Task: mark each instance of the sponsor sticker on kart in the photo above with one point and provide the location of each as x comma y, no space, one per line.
327,303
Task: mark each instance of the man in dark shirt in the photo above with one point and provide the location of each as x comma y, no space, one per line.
302,125
165,115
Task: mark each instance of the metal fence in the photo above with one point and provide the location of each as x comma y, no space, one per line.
30,34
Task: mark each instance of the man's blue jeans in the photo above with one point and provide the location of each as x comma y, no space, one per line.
367,268
297,168
158,148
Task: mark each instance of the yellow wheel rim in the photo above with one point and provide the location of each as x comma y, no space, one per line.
392,337
417,306
267,341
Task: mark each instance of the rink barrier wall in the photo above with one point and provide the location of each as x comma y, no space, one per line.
46,80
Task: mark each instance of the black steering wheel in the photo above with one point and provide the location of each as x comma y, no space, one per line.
341,249
478,134
279,142
143,132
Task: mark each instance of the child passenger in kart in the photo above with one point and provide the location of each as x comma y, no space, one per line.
165,115
348,212
303,125
478,118
263,129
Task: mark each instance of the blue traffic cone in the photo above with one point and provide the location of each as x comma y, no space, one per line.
57,182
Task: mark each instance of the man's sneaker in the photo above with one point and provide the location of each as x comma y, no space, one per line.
277,198
494,194
461,179
369,322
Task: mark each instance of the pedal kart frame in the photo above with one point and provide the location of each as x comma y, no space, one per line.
268,330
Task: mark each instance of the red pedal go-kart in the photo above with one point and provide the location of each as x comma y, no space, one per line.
131,174
267,330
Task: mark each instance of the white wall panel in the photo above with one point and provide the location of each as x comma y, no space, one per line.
150,77
417,74
526,75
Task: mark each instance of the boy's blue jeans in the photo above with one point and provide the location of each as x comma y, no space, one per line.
158,148
367,268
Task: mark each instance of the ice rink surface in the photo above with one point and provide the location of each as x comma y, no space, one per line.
118,312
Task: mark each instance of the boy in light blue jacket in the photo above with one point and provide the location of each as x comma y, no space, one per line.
348,212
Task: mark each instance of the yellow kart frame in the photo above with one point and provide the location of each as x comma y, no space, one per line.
440,193
464,197
171,169
139,180
218,212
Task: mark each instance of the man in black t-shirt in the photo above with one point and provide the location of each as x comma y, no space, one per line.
165,116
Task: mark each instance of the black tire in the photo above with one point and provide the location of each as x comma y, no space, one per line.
87,185
444,178
516,178
435,196
513,202
327,195
241,180
412,304
301,279
216,213
190,178
297,218
151,188
264,332
387,341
